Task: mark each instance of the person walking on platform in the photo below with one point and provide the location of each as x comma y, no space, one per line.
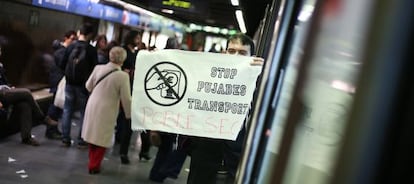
108,86
207,154
56,74
79,60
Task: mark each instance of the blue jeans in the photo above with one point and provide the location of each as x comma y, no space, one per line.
75,96
54,112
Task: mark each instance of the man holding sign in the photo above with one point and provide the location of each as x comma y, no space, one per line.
207,154
205,95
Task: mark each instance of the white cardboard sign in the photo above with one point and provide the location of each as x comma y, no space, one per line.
192,93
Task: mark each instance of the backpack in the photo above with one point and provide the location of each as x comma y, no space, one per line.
77,68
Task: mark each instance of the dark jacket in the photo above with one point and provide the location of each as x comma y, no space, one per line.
90,59
130,59
3,79
56,73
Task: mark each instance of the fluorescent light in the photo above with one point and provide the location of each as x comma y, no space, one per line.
215,30
133,7
235,2
224,31
195,27
232,32
167,11
207,28
240,20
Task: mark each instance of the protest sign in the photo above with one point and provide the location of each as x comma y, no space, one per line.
192,93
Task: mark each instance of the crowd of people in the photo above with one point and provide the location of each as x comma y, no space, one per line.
99,85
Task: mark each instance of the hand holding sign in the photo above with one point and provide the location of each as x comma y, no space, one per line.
257,61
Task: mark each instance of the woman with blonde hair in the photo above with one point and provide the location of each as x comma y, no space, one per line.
108,85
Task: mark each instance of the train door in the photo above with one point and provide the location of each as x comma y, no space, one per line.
325,102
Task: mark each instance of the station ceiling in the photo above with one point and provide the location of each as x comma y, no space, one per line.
220,13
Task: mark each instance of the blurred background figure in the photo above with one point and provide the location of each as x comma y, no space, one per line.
101,44
215,48
123,135
168,161
24,106
199,48
56,74
104,57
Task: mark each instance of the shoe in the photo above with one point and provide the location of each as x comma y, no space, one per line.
173,177
30,141
223,172
58,132
50,121
144,156
222,169
94,171
53,134
124,159
66,143
55,129
157,180
82,145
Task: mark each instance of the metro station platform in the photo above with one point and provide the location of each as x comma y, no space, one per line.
52,163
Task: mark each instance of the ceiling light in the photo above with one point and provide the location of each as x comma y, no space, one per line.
240,20
224,31
207,28
132,7
167,11
195,27
235,2
232,32
215,30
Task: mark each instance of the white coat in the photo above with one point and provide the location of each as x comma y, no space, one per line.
103,104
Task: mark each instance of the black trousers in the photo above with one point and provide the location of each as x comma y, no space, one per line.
207,155
25,109
125,132
146,144
232,152
206,158
21,95
22,114
168,162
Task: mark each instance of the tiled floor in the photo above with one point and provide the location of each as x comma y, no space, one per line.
50,163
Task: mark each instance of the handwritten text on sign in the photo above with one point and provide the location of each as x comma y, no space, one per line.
192,93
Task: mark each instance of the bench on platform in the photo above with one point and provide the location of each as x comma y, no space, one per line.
40,95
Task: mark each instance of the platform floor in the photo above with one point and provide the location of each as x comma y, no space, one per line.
53,163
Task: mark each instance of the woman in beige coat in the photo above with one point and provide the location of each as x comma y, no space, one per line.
103,106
